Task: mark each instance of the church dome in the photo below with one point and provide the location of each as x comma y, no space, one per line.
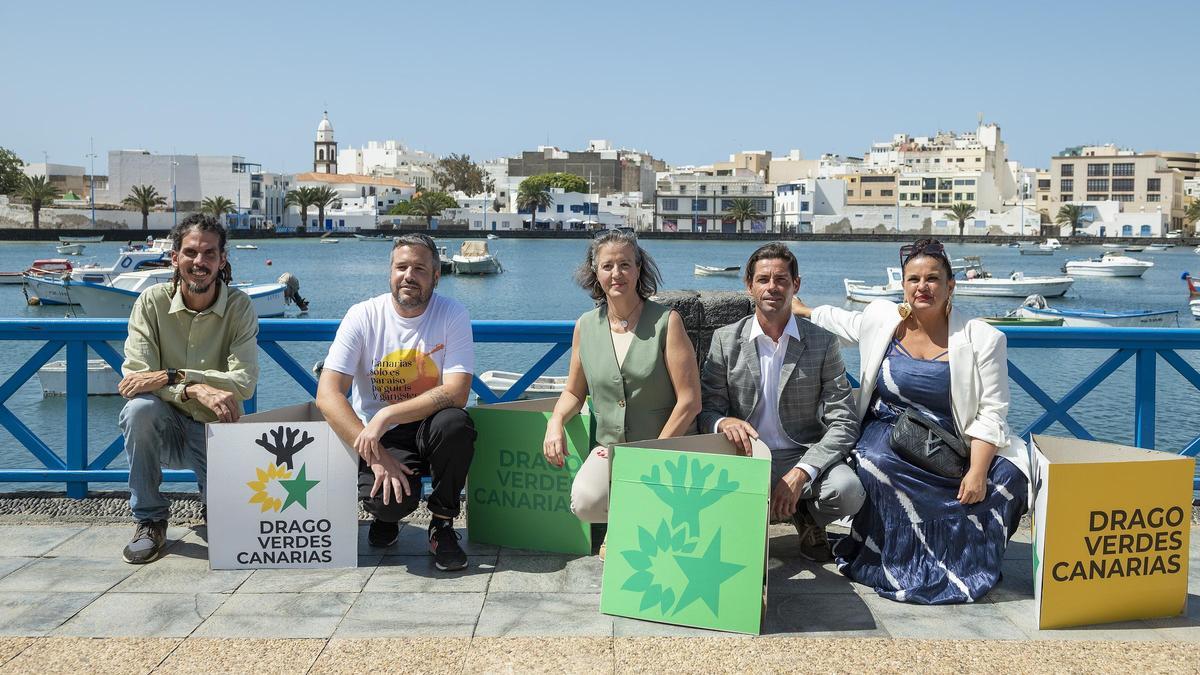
325,125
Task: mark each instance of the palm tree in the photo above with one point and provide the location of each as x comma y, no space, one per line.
535,199
1192,214
302,198
323,198
429,205
1069,214
216,207
960,211
36,190
743,209
143,198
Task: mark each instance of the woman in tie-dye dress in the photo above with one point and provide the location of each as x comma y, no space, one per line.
920,537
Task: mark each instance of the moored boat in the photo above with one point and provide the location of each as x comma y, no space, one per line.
473,257
975,280
1051,244
710,271
1037,251
69,249
546,386
131,259
115,300
377,237
69,239
1036,307
102,379
245,247
1007,320
1111,264
858,290
1134,249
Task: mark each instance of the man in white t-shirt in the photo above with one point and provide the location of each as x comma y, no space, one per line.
407,358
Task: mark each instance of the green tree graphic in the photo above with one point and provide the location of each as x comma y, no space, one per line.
687,502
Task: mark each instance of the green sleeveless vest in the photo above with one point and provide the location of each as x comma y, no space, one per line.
634,401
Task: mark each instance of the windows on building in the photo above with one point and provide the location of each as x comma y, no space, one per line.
1154,198
1153,184
1068,197
1122,198
928,183
866,193
1122,169
1122,185
886,193
670,204
1067,170
699,204
1097,169
1097,197
1066,184
1097,185
1043,184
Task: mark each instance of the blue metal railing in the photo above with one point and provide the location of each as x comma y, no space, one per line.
1144,345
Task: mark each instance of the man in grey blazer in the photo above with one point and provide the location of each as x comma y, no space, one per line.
771,377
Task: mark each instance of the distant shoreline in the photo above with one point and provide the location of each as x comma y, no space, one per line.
27,234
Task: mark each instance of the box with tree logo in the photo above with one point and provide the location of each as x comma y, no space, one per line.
687,533
282,492
1110,527
515,498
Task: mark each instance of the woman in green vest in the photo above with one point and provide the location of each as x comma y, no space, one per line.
633,357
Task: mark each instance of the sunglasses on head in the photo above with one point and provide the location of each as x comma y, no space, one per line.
932,248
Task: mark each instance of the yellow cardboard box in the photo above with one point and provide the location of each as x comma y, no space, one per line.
1110,527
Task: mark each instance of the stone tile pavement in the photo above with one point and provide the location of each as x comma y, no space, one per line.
63,586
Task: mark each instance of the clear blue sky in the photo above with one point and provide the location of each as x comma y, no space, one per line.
691,82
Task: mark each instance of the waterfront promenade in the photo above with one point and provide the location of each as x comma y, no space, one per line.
68,602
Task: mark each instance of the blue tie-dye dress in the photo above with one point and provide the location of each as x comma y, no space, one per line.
912,540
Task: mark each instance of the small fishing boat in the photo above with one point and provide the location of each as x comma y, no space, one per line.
245,247
115,299
69,239
473,257
1134,249
102,379
858,291
1035,306
1037,251
1115,247
1111,264
328,240
131,259
69,249
1051,244
1193,294
1159,247
500,381
11,278
1007,320
377,237
493,236
710,271
447,263
976,281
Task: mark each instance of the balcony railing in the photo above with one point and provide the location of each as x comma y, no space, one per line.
74,466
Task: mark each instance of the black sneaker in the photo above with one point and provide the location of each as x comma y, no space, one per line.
443,544
814,545
383,534
148,542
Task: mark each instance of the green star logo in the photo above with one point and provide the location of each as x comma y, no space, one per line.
705,576
297,489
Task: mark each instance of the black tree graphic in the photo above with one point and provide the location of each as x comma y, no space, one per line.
285,446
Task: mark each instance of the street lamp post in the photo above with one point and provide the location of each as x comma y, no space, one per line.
174,201
92,179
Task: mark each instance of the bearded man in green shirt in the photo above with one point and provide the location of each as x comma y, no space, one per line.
191,358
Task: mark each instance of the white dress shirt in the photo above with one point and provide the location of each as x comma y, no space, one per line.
765,416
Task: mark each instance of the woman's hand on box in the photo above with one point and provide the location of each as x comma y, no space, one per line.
554,444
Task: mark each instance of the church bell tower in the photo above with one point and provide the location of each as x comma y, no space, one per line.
325,148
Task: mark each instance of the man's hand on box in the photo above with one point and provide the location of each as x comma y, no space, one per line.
223,404
740,433
392,478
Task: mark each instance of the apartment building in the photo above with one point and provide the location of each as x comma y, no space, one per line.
701,202
1139,182
872,189
389,159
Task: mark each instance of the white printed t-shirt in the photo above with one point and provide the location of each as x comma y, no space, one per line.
393,359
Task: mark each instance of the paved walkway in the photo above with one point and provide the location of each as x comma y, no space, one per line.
59,583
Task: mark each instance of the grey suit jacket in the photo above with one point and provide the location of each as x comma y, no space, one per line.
815,403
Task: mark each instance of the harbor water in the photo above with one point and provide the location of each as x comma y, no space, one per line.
537,284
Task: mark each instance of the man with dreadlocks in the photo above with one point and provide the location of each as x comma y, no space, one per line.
191,358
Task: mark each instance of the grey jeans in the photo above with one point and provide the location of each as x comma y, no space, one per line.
836,493
158,435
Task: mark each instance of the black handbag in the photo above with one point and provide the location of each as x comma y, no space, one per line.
924,443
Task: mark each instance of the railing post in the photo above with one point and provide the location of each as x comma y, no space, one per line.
77,419
1143,399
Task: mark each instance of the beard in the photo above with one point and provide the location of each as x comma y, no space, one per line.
410,302
202,286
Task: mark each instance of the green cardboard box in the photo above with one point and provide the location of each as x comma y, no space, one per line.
687,533
514,497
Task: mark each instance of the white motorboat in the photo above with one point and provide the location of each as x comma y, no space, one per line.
46,287
1111,264
1113,247
245,247
710,271
68,239
1159,247
858,291
329,240
546,386
102,379
1134,249
115,300
1038,251
474,258
377,237
1035,307
493,236
1051,244
977,281
69,249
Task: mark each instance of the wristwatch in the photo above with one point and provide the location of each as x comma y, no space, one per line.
173,376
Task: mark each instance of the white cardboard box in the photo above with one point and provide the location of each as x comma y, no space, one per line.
282,492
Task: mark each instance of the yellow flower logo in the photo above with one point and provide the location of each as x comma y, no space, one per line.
265,476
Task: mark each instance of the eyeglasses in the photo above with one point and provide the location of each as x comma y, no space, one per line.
932,247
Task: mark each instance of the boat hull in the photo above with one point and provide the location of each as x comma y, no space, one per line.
476,265
102,379
1048,287
1021,321
1126,271
100,301
1084,319
706,271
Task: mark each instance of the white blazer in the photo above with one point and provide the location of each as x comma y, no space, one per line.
978,357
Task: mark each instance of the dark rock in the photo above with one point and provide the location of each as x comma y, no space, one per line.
687,303
724,307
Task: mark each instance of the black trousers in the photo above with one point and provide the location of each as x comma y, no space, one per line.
440,446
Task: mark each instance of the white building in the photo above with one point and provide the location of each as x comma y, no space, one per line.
194,177
700,202
391,159
794,205
368,192
1107,219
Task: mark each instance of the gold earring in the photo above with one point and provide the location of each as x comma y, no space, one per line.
904,309
949,304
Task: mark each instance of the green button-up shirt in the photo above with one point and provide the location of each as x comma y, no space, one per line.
217,347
